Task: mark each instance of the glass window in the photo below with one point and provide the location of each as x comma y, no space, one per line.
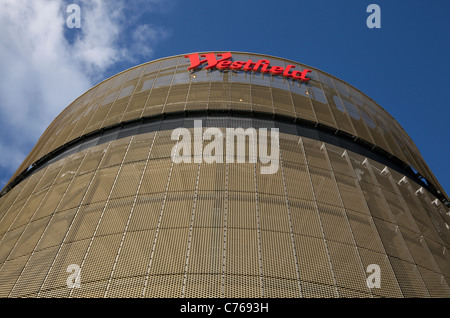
325,79
317,93
200,76
338,103
341,87
279,82
351,108
110,98
218,75
103,87
299,88
181,77
120,79
153,67
147,82
136,72
240,76
169,63
260,79
126,91
164,78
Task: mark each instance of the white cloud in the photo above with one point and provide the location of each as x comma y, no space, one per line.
45,65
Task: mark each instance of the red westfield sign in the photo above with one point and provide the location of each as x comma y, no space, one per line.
262,66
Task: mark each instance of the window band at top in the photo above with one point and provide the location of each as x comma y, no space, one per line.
225,63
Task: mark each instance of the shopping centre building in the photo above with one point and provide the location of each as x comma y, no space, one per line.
224,174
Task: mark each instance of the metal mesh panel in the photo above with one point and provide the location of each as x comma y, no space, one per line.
139,224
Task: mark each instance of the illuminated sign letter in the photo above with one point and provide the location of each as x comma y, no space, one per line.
209,57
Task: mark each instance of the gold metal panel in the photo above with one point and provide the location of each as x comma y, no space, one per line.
128,180
351,195
401,215
441,256
313,261
282,102
29,208
56,229
32,277
291,149
376,202
210,211
240,96
435,283
10,216
242,213
101,185
29,238
241,252
273,213
164,286
134,256
201,260
212,177
116,112
262,99
115,216
338,160
315,153
305,218
183,177
178,210
9,273
298,184
170,252
198,96
155,176
393,241
318,290
75,192
51,201
55,284
201,285
277,255
115,152
241,177
146,213
325,189
347,267
280,288
99,259
177,97
409,279
418,249
364,231
162,147
85,222
389,284
9,240
127,287
242,286
335,224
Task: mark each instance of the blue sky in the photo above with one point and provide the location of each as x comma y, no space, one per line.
404,66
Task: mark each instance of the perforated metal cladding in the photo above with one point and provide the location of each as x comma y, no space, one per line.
139,225
166,86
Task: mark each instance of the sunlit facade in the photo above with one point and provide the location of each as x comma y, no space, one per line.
100,190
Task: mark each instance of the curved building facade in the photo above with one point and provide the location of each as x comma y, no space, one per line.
224,174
